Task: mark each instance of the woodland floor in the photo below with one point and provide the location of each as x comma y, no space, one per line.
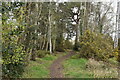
66,65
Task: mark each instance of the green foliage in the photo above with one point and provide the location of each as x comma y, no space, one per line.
115,53
26,28
13,57
113,61
60,44
119,49
75,56
95,45
13,53
68,44
76,46
60,48
42,53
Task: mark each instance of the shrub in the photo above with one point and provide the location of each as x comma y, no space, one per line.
76,46
60,44
13,61
115,53
68,44
96,45
119,49
60,48
42,53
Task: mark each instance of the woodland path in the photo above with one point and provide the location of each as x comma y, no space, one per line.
57,67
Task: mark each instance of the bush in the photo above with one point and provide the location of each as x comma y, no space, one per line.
76,47
119,50
63,44
68,44
60,44
42,53
60,48
96,45
13,61
115,53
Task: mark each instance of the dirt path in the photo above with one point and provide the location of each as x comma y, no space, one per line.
57,67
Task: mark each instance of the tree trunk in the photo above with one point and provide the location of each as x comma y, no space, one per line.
46,46
77,30
86,16
49,30
117,28
54,43
33,55
43,42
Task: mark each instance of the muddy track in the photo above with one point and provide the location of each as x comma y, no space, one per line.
56,67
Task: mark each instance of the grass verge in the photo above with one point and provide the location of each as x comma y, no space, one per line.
75,68
83,68
40,67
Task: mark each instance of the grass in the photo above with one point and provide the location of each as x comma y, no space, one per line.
102,69
75,68
113,61
39,68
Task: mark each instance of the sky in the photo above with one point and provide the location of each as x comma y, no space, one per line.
114,5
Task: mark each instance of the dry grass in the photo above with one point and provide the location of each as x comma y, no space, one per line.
101,70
